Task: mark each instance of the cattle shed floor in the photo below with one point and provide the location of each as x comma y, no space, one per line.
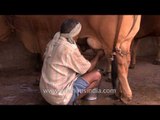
18,87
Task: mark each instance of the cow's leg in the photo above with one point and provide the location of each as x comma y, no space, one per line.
124,87
134,47
123,61
114,74
108,68
157,60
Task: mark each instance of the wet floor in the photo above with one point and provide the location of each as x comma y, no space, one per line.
18,87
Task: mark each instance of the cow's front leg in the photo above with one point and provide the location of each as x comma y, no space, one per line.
157,60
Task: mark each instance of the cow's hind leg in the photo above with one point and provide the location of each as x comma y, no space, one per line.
157,60
123,62
108,72
114,74
123,89
114,78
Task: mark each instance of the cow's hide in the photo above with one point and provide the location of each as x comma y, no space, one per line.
4,28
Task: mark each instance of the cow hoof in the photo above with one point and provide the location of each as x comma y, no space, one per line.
125,100
119,102
132,66
113,97
108,79
156,62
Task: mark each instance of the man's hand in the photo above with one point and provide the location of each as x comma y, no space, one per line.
100,53
94,61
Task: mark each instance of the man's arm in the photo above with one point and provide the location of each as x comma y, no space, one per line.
94,61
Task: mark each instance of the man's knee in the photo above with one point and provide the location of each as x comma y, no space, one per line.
98,75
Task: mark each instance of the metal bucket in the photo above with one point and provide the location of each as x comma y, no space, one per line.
93,95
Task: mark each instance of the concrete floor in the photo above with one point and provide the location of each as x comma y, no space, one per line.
18,87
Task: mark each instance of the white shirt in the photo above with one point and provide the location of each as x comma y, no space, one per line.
60,70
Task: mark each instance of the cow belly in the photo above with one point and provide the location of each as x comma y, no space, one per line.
94,43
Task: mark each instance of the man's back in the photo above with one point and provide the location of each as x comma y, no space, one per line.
59,71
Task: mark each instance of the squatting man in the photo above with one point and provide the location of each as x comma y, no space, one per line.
65,70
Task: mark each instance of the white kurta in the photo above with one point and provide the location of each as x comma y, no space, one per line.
60,70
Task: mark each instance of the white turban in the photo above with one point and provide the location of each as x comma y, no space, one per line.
74,32
69,36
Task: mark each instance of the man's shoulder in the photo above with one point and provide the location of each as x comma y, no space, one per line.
68,46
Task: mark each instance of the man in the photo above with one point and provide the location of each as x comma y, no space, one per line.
66,74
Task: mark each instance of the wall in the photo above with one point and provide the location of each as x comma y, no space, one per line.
14,55
147,47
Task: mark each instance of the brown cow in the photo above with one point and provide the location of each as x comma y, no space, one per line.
150,26
107,32
5,29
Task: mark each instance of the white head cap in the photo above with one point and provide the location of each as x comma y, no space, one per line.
74,32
